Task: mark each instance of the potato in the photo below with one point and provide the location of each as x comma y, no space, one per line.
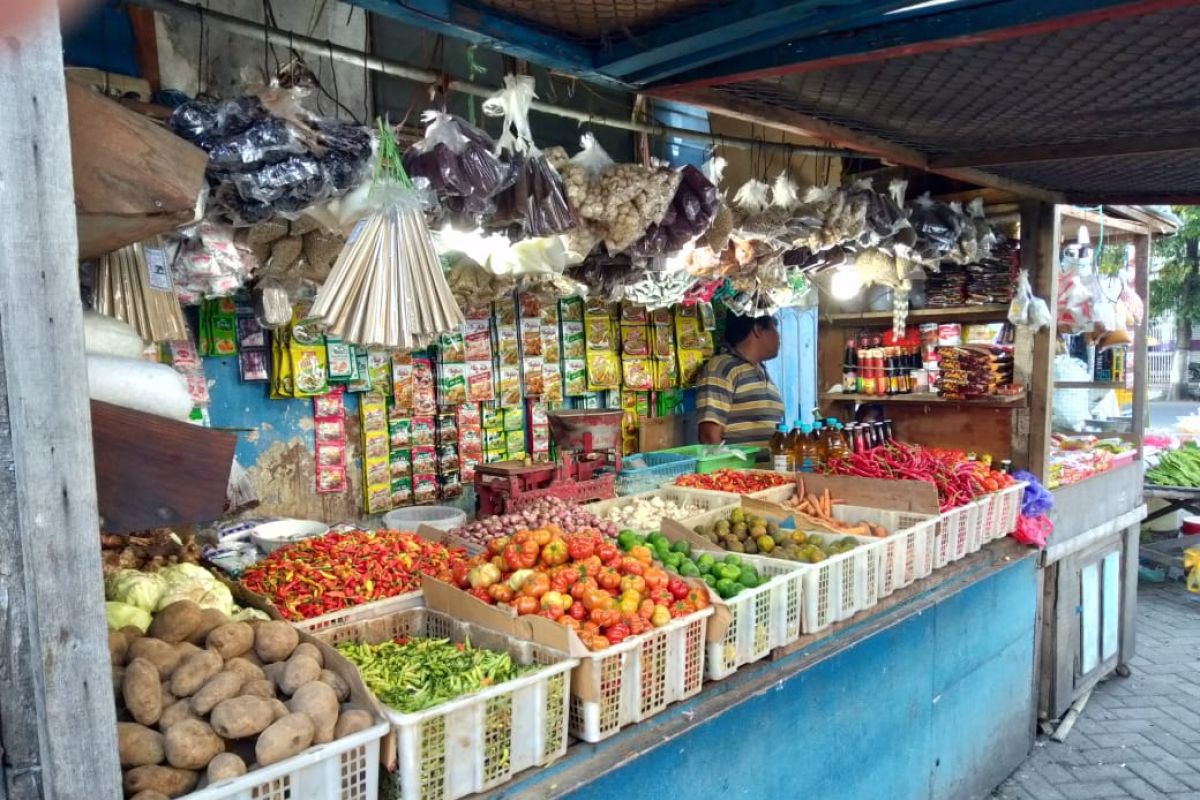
194,672
210,620
240,717
300,670
175,713
231,640
274,672
185,649
166,780
275,641
165,657
280,709
118,648
336,682
221,686
176,622
283,739
142,691
225,766
262,688
118,679
352,721
138,745
247,669
191,744
168,699
310,650
149,794
320,702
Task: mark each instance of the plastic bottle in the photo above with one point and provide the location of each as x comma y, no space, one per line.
837,447
802,448
781,453
816,443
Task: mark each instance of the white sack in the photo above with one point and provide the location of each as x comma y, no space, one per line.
140,385
110,336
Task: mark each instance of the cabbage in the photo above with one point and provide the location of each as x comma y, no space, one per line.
122,614
215,596
135,588
249,615
184,574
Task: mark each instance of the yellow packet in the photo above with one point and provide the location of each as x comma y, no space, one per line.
690,362
638,374
603,370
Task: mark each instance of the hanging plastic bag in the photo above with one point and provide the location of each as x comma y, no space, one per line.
591,157
461,165
784,192
714,169
1018,309
753,198
1033,531
537,199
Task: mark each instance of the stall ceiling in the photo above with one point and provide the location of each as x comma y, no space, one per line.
1073,100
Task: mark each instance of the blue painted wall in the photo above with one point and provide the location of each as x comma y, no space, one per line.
938,706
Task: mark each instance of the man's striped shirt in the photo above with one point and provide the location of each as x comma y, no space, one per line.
737,395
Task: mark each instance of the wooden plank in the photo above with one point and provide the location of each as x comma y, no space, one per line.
1032,154
991,312
152,471
57,715
973,428
1129,594
133,178
145,40
1096,218
924,398
1039,254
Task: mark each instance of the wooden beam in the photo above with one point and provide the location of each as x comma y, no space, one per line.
145,44
728,105
57,715
1039,254
1106,148
1108,221
1166,198
954,28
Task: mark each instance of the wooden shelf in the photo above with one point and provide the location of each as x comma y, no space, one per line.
995,401
992,312
1088,385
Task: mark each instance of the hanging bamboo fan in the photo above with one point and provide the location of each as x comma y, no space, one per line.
387,288
134,284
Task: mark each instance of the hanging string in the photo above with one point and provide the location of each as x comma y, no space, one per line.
337,101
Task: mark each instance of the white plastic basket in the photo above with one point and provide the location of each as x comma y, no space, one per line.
344,769
842,585
1003,510
638,678
908,553
444,518
704,501
959,532
761,619
372,610
475,742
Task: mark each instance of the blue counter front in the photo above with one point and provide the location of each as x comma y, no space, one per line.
929,696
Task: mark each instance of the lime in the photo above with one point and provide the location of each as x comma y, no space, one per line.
733,559
682,546
710,579
674,559
671,569
725,588
656,538
705,561
728,571
688,569
748,576
626,539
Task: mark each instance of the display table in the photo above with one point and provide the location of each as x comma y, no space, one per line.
929,695
1176,498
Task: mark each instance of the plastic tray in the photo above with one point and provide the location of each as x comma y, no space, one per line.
475,742
372,610
959,532
344,769
661,467
638,678
1003,510
908,553
706,464
842,585
761,619
707,501
444,518
775,494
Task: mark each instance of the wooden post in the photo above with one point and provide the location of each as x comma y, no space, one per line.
57,717
1039,254
1141,370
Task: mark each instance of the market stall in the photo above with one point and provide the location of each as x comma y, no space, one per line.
491,559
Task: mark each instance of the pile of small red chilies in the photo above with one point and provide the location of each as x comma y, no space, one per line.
958,480
328,573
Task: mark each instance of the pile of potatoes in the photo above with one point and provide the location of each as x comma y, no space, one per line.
202,699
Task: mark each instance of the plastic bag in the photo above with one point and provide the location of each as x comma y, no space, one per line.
209,264
753,197
1037,498
937,228
591,157
1018,309
462,168
714,169
784,192
1033,531
691,211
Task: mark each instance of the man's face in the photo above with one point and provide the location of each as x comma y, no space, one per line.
768,340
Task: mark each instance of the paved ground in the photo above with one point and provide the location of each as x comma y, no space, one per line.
1139,737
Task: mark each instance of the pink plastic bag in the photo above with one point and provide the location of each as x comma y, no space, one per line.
1033,530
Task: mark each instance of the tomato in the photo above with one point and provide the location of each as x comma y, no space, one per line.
556,601
609,578
597,599
604,618
698,598
459,574
526,605
536,585
523,555
609,553
500,592
564,579
646,609
499,563
631,566
681,608
584,586
678,588
554,553
635,582
642,554
655,578
617,633
660,617
541,536
638,626
596,642
496,546
580,547
628,604
571,623
577,611
662,596
481,594
589,567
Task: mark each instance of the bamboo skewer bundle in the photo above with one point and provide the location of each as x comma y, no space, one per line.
387,288
134,285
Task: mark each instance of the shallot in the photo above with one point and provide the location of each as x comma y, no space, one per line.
568,516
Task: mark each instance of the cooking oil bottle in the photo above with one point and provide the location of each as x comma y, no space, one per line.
781,452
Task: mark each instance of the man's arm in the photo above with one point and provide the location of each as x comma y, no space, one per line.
714,396
711,433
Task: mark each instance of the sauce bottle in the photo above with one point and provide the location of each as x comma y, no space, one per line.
781,454
850,368
837,447
816,443
802,449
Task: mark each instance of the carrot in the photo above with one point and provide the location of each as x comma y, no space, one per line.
857,530
801,491
828,506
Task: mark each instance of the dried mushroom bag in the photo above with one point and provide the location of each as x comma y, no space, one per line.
688,216
461,165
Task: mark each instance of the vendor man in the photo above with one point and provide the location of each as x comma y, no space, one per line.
736,402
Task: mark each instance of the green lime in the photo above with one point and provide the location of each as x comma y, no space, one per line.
710,579
737,588
656,538
725,588
705,562
688,569
734,559
748,576
671,569
626,539
728,571
682,546
674,559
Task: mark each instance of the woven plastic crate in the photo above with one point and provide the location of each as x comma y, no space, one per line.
712,463
1003,510
959,532
344,769
842,585
638,678
475,742
706,501
660,468
908,553
761,619
372,610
